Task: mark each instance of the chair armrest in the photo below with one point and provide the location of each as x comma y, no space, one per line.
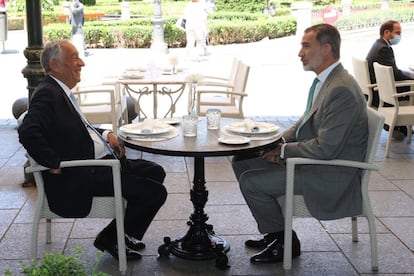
235,93
335,162
77,163
216,78
408,93
211,83
404,83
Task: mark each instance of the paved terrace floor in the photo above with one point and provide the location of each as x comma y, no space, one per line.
277,82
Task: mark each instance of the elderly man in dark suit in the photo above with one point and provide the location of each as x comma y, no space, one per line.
54,130
334,126
381,52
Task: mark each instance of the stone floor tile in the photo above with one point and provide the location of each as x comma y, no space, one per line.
11,176
177,183
391,203
177,206
341,226
393,256
12,196
378,182
224,193
407,186
6,218
402,227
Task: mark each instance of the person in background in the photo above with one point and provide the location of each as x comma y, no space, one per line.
77,19
335,125
196,28
55,130
382,52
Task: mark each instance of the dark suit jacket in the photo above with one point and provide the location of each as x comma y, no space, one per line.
337,128
382,53
51,132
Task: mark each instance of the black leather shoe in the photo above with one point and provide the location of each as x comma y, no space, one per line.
273,253
133,243
262,243
112,248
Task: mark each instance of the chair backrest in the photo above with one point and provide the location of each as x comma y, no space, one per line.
242,77
386,84
233,71
375,126
361,74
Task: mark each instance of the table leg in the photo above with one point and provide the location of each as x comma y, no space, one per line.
200,241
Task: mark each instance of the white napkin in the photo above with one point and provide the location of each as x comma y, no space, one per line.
147,126
251,125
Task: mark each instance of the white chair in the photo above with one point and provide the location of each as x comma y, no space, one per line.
102,104
102,207
236,93
361,74
210,82
294,205
396,114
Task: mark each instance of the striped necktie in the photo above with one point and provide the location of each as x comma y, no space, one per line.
308,103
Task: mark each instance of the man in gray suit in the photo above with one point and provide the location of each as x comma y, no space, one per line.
335,126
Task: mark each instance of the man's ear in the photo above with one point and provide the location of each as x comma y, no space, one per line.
53,64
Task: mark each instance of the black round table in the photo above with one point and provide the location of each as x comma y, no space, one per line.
200,241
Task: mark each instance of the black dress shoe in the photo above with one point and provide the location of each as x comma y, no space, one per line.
133,243
112,248
273,253
263,243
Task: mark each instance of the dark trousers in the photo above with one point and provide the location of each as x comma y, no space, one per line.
142,188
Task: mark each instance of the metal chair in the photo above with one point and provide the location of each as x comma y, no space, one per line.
102,207
294,205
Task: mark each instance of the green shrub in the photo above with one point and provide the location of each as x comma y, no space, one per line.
54,264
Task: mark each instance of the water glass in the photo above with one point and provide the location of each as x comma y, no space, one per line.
190,125
213,118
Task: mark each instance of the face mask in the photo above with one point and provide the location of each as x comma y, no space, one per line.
395,40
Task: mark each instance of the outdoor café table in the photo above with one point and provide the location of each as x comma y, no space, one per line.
149,93
200,241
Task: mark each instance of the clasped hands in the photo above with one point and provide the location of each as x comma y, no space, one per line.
273,155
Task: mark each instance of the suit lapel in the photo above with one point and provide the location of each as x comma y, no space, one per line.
322,92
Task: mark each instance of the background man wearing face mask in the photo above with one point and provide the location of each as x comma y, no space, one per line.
381,52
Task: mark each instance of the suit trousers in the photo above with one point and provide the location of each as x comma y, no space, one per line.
142,187
261,183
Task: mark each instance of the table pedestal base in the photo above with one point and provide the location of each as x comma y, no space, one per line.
200,241
198,245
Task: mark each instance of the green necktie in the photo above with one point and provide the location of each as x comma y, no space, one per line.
308,104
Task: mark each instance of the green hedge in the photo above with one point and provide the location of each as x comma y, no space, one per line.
137,33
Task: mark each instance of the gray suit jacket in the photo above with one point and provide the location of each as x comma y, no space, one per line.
336,128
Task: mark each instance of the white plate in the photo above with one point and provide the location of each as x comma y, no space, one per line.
169,121
264,128
133,75
139,68
234,140
141,128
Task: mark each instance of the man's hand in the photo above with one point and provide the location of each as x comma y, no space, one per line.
114,143
273,156
55,171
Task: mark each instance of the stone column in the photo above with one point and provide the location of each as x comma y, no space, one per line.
33,71
158,43
303,13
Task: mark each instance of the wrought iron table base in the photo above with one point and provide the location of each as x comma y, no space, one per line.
200,241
